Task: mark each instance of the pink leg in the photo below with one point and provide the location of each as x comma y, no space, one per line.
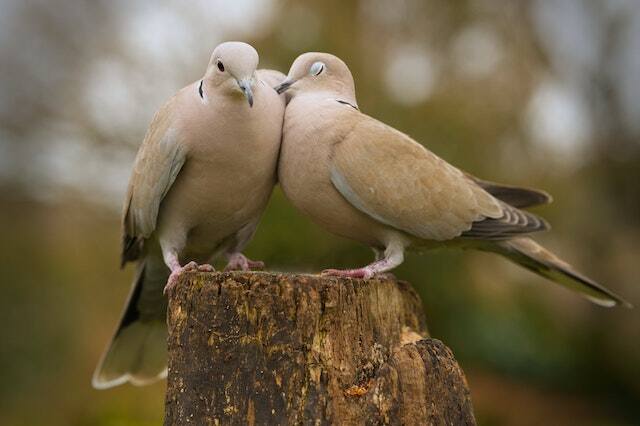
171,259
393,256
239,262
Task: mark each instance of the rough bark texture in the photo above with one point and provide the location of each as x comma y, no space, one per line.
260,348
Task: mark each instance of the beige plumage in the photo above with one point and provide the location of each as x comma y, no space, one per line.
201,180
366,181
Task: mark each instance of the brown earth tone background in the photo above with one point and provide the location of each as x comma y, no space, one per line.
534,93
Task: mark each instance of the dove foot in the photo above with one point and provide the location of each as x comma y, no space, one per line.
239,262
189,267
348,273
393,256
206,268
363,273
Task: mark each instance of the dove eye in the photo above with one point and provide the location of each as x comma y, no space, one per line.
316,68
220,66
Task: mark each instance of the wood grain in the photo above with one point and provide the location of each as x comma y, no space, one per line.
262,348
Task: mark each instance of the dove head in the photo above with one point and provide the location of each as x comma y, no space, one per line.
232,69
319,72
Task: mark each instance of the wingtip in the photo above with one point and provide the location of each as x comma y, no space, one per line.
540,196
546,226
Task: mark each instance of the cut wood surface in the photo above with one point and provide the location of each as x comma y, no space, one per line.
263,348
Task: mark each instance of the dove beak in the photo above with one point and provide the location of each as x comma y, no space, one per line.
284,86
245,85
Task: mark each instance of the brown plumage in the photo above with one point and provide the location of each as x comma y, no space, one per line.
200,182
366,181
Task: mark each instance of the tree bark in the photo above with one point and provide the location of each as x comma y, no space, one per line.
261,348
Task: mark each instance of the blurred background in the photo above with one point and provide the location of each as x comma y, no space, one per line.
537,93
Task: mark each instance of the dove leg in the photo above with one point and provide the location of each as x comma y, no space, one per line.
171,259
393,256
239,262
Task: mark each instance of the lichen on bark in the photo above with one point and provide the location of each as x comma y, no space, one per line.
263,348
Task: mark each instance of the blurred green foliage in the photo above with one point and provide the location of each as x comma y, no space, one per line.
533,353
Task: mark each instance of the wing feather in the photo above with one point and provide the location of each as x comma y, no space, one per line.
397,181
157,164
513,195
514,222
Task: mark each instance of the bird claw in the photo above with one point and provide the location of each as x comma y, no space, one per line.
255,265
239,262
206,268
172,281
363,273
189,267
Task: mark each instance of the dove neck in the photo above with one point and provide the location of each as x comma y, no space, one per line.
345,91
344,96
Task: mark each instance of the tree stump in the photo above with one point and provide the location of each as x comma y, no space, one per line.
252,348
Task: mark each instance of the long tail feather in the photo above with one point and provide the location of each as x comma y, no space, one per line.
138,351
529,254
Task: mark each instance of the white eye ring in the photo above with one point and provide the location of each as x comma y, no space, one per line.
316,68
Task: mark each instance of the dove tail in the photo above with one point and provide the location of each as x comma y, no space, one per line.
529,254
138,351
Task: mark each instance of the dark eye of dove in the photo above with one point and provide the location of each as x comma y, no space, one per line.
220,66
316,68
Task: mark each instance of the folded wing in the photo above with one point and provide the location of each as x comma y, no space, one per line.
513,195
397,181
156,167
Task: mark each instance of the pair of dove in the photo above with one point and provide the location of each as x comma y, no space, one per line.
214,152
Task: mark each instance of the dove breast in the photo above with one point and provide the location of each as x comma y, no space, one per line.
305,173
229,172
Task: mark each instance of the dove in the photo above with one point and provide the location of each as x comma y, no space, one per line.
366,181
200,182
